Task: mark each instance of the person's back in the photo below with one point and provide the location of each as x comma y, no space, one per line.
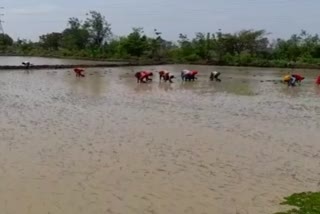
298,77
184,74
186,71
287,78
194,72
143,76
79,72
26,63
168,77
162,74
214,75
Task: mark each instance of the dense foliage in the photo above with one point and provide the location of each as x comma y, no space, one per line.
92,38
303,203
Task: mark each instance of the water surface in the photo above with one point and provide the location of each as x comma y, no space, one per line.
12,60
104,144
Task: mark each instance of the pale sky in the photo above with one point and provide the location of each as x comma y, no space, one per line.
29,19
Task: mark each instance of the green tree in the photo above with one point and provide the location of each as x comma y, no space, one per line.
204,45
156,45
75,37
5,41
185,46
136,43
99,29
24,46
51,41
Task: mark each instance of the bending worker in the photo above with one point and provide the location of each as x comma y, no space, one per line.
143,76
166,76
26,64
215,76
187,75
291,80
298,77
79,72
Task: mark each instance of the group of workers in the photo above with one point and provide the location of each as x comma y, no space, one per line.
186,75
293,79
190,75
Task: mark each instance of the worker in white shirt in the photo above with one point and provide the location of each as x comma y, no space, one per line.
214,75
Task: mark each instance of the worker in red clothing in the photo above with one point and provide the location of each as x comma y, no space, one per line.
298,78
79,72
293,79
144,76
318,80
194,72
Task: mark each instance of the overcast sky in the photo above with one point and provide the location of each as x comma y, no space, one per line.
31,18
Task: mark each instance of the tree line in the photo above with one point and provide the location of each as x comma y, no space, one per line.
93,38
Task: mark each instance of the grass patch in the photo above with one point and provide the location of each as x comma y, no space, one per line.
303,203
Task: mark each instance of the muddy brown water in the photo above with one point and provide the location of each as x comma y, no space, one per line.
104,144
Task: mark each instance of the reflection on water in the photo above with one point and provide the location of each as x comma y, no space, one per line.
237,87
105,144
165,86
94,84
291,92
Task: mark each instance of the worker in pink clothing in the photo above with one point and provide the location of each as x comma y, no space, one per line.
143,76
187,75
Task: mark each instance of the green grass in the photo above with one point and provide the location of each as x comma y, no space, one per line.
303,203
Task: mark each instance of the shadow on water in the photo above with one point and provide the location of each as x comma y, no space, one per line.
199,87
236,87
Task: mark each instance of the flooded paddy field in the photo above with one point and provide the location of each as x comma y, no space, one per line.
104,144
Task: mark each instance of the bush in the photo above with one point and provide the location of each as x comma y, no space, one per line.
261,63
304,203
192,58
244,58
